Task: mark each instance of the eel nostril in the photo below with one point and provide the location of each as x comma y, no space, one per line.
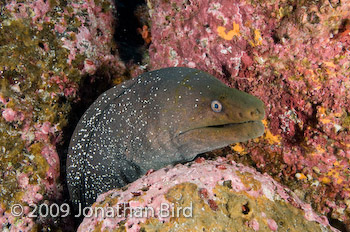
240,114
255,113
252,113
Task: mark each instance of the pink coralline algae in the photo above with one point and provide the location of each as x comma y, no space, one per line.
295,57
10,115
206,195
46,48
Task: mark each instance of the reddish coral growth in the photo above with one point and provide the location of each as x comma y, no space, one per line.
145,33
295,57
203,193
213,204
47,47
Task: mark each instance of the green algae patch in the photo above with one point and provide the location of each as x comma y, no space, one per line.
39,165
36,88
249,181
346,121
234,211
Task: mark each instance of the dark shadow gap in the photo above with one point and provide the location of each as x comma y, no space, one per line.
128,40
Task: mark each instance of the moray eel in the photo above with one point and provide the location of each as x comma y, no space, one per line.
159,118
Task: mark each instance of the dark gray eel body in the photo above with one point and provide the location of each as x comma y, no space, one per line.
159,118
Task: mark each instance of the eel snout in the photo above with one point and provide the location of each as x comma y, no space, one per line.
255,113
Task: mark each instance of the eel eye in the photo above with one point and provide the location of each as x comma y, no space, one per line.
216,106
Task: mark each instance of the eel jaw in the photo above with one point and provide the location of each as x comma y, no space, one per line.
223,126
199,140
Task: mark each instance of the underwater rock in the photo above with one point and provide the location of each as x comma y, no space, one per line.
203,196
46,48
292,55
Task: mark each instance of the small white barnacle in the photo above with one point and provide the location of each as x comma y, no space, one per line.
216,106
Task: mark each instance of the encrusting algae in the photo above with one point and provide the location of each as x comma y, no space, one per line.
46,48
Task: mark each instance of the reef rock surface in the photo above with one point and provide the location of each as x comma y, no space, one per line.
46,48
294,55
203,195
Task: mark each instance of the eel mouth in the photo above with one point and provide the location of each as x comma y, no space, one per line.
255,126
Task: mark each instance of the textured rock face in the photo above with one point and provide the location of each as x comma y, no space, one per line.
46,47
204,195
292,54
